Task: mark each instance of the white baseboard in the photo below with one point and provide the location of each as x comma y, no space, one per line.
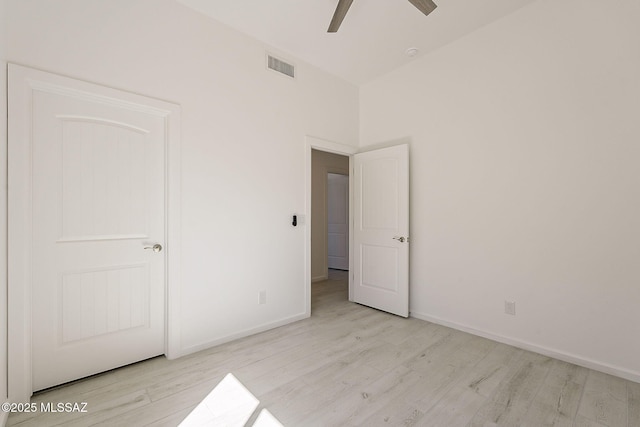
556,354
319,278
245,333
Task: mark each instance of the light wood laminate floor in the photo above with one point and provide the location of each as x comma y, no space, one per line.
350,365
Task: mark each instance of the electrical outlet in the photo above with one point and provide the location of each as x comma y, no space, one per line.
510,307
263,297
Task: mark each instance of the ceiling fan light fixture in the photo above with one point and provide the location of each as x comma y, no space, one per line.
424,6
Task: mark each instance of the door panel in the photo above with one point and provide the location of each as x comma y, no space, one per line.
338,221
380,199
381,229
103,186
379,267
98,201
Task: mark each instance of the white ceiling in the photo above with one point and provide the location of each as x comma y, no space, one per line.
373,37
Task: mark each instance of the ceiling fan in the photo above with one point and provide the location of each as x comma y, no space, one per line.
424,6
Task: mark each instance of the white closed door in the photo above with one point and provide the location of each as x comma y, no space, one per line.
381,229
338,221
98,184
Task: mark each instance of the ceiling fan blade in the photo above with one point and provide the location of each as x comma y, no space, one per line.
424,6
338,16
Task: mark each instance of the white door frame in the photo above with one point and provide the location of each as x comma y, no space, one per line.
313,143
22,82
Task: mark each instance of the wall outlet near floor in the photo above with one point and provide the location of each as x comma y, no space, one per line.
510,307
263,297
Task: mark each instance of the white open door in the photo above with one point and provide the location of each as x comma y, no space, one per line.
381,229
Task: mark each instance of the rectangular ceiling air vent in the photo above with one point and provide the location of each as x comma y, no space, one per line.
280,66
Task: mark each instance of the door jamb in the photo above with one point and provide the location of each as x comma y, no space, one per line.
314,143
21,83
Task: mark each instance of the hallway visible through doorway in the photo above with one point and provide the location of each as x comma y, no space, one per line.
334,290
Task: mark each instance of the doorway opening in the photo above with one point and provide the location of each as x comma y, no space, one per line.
378,225
329,224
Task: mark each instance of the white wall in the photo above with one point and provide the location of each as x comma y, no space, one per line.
321,164
525,178
3,203
243,140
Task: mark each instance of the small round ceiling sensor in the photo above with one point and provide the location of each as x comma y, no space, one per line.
412,51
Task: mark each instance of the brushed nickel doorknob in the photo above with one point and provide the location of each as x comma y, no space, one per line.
400,239
155,248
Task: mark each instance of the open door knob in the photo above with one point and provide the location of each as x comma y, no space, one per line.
155,248
400,239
